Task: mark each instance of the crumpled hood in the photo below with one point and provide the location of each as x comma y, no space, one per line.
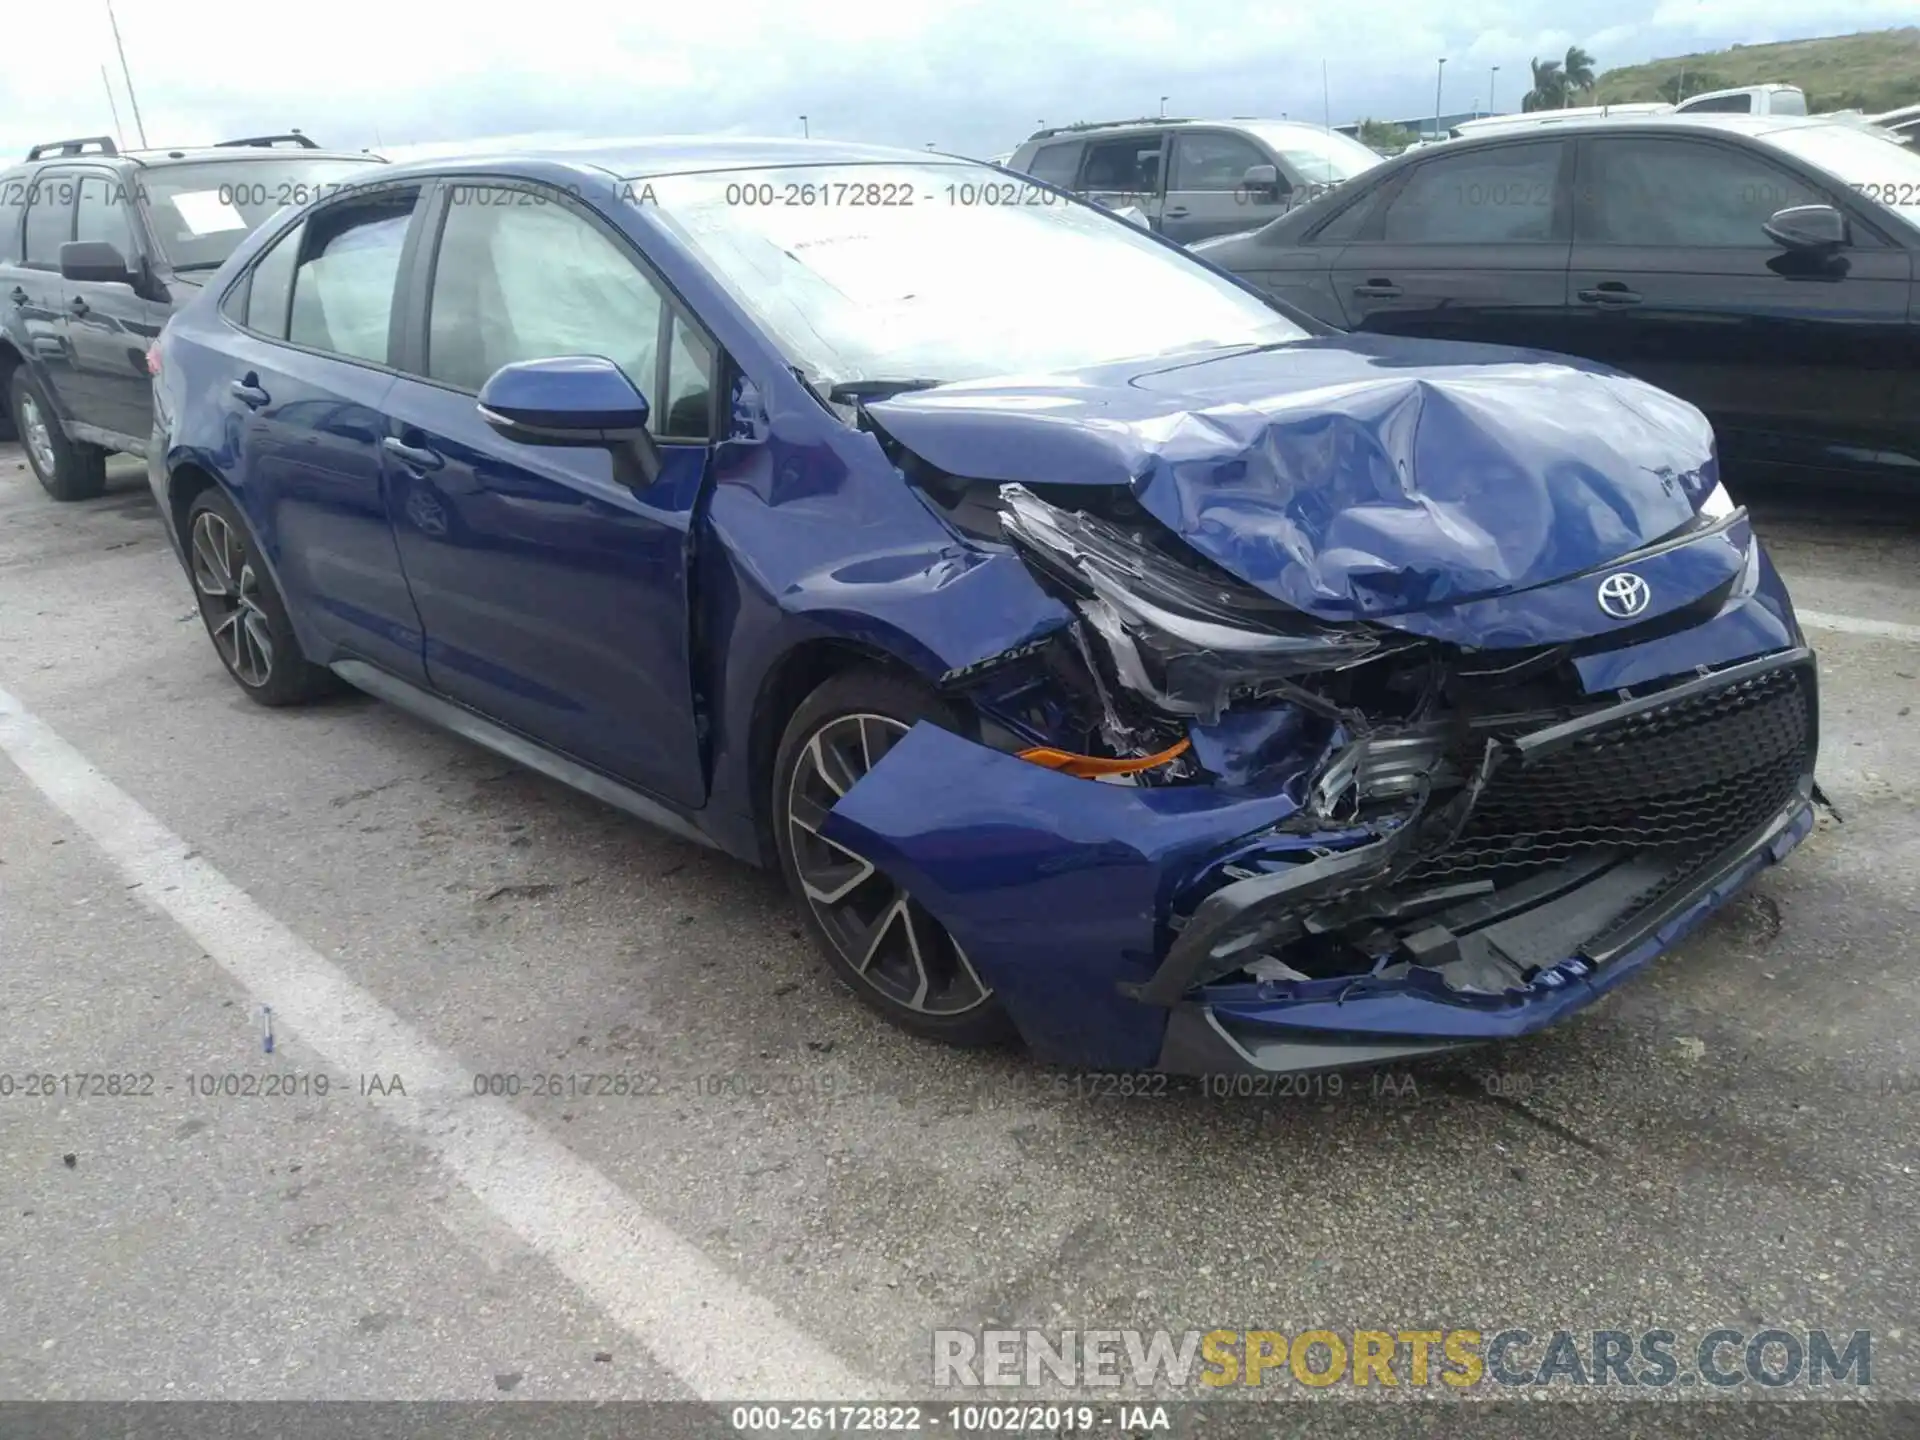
1350,476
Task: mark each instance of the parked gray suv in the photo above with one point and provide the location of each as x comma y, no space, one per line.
97,249
1195,178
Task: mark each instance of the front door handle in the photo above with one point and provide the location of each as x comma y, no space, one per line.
18,296
1178,212
417,456
1377,290
78,305
1610,292
249,393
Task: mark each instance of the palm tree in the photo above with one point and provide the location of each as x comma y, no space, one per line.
1579,70
1549,90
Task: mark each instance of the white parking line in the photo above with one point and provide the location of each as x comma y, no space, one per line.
724,1341
1859,625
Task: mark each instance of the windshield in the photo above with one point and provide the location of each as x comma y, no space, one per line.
201,212
947,272
1879,168
1321,156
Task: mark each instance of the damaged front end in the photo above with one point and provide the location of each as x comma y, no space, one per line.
1210,831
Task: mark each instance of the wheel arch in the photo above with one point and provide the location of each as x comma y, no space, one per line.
10,360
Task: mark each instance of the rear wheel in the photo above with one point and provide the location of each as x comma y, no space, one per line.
884,944
66,469
244,615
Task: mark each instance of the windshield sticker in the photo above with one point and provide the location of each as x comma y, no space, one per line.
207,212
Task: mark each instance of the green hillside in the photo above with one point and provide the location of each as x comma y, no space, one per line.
1874,71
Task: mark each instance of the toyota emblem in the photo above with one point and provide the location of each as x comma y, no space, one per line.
1624,595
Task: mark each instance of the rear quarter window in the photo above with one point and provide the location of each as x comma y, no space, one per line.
1057,164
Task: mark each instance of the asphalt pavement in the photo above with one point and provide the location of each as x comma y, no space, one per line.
413,1197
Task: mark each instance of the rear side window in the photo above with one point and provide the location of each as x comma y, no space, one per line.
270,288
343,285
1349,222
13,208
1679,192
49,218
1499,196
1057,164
102,215
1721,105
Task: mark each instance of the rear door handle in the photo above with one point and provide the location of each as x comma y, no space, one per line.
18,296
78,305
1377,290
1178,212
415,455
248,393
1610,292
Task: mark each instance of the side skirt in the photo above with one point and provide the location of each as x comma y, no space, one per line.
516,747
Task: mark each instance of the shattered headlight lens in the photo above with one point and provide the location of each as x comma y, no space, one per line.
1184,639
1718,505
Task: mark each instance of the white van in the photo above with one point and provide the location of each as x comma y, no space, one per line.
1747,100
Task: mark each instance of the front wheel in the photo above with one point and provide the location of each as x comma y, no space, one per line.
885,945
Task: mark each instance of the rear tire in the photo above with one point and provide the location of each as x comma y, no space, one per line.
66,469
244,614
885,946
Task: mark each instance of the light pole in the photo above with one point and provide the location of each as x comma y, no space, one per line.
1163,107
1492,75
805,132
1439,74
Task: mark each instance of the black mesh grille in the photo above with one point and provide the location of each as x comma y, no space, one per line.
1687,778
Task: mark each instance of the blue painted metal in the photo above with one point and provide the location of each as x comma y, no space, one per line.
1448,491
566,393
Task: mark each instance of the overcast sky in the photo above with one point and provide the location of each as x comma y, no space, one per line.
971,76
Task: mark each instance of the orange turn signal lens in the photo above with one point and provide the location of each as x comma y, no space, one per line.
1092,767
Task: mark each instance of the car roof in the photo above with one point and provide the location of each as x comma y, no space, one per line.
1098,128
1653,125
667,155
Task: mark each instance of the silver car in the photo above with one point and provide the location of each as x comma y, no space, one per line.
1195,178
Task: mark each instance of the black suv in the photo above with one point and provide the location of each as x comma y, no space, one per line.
97,248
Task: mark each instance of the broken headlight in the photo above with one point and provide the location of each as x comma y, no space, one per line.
1188,638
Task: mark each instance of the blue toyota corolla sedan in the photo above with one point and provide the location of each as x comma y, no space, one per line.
1106,656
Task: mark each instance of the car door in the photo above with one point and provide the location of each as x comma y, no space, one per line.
1207,189
109,326
1468,245
1794,357
37,296
1125,171
554,596
303,403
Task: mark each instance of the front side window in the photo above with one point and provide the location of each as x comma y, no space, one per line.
1680,193
1498,196
1212,161
49,218
520,276
13,209
102,215
1057,164
344,282
933,288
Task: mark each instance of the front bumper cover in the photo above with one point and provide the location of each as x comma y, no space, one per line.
1064,893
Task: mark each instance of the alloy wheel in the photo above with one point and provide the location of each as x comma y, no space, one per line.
890,940
39,439
229,590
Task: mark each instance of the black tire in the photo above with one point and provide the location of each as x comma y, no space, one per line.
242,609
909,949
66,469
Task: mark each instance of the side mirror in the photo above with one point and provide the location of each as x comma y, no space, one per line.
96,262
1261,180
580,400
1808,227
